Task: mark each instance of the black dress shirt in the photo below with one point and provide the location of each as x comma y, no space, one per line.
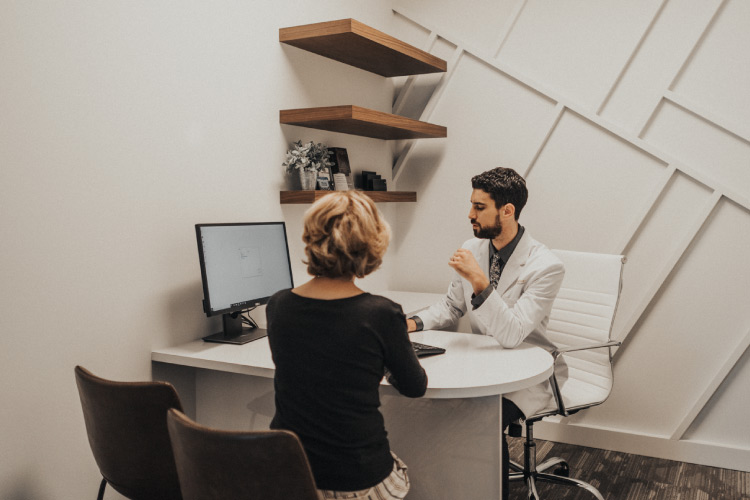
504,254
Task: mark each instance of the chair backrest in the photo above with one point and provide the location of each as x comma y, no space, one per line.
583,313
241,465
126,423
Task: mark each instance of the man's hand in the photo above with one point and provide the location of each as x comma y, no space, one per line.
467,267
411,325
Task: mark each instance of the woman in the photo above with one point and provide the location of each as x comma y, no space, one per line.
331,344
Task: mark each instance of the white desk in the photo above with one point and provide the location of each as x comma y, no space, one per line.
450,439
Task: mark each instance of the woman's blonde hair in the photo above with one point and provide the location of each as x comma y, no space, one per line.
344,235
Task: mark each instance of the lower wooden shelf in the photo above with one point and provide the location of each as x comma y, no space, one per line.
301,197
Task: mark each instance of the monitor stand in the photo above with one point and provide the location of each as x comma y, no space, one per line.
234,333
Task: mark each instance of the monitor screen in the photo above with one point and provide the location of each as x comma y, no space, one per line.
242,265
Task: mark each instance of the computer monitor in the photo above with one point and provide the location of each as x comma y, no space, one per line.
242,265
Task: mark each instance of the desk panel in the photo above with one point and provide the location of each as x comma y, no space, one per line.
451,446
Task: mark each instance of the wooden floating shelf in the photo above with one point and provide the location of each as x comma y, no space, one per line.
356,44
301,197
361,121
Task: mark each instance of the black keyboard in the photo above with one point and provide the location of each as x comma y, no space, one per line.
424,350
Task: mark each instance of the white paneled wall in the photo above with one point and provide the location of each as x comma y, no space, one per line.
629,120
603,174
715,79
716,154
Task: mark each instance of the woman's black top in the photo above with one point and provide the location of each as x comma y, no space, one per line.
330,357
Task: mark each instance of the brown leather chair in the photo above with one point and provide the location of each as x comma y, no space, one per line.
126,423
263,465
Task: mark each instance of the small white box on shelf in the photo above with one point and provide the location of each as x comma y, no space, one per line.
340,182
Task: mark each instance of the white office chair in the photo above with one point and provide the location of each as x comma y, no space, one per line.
580,324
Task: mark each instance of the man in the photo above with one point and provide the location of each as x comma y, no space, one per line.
506,281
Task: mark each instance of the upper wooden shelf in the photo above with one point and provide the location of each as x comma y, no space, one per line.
300,197
356,44
361,121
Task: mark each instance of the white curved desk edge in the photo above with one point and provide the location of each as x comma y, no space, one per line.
473,365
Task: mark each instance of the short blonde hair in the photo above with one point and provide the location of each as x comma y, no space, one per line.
345,236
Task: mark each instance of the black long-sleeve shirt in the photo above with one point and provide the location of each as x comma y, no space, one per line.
330,356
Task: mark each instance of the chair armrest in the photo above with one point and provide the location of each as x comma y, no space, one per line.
553,379
611,343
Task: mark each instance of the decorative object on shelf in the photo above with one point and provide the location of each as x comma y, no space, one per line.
339,182
340,161
307,179
341,169
372,182
325,183
307,159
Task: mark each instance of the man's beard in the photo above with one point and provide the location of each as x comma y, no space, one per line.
489,232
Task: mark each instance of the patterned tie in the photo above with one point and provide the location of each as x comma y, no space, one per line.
495,268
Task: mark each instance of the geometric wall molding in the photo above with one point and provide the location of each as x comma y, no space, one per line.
719,188
482,54
717,178
714,79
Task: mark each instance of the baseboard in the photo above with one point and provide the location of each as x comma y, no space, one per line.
711,454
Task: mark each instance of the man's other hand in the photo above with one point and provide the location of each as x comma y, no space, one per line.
467,267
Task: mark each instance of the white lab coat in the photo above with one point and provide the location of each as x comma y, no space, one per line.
517,311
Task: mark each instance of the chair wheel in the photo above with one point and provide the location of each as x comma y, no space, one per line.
562,470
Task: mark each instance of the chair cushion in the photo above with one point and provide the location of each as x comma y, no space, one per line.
577,393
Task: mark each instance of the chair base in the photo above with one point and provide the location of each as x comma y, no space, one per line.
539,476
530,473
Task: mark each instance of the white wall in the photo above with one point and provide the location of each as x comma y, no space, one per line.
629,120
123,124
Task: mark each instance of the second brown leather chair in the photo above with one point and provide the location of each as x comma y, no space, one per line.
214,464
126,423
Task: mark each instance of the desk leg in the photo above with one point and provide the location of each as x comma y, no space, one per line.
451,446
231,401
183,380
221,400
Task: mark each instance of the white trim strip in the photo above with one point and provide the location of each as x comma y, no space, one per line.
670,263
647,209
639,443
428,110
508,27
635,51
559,111
647,119
403,95
735,129
713,385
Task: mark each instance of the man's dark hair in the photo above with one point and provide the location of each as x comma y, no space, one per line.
504,185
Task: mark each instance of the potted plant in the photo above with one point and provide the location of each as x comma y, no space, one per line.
307,159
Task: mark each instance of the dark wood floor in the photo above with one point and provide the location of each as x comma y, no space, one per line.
621,476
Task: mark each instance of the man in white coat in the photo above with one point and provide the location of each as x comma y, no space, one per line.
506,281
